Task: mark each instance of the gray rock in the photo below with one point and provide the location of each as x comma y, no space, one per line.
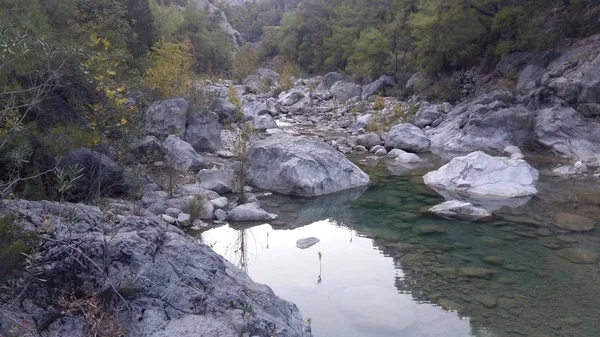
220,203
381,152
220,215
264,122
166,118
291,98
427,114
574,222
481,175
307,242
407,158
165,269
512,62
343,91
407,137
203,131
395,153
566,133
182,155
146,150
298,166
184,220
226,111
368,140
376,148
413,80
249,212
263,79
361,122
155,202
194,190
173,212
168,219
254,109
360,148
459,211
98,171
379,86
329,79
220,181
529,76
510,150
579,256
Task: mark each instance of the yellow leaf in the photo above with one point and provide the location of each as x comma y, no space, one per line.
123,121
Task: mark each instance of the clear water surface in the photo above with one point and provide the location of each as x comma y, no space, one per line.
383,268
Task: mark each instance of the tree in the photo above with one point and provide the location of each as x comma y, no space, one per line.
371,54
139,16
169,74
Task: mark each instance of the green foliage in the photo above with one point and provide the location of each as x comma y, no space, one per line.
233,99
245,63
167,20
169,74
13,246
194,207
371,54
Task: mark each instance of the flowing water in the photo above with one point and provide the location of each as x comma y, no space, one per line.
383,268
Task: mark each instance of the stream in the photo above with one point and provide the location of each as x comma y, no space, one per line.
384,268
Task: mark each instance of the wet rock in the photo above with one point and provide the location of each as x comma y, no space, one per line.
447,272
494,260
577,255
307,242
407,137
394,153
298,166
487,300
459,211
475,272
428,229
360,148
182,155
543,232
249,212
448,305
574,222
481,175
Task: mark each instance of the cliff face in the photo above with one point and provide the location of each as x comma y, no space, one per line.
235,36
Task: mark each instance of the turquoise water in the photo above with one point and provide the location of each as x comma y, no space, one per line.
384,268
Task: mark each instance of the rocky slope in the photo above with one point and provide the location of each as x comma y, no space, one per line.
171,285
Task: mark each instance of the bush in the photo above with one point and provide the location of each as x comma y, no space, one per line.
285,75
169,74
194,207
13,246
233,99
379,103
245,63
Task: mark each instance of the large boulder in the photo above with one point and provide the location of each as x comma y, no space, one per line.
254,109
407,137
329,79
291,98
427,114
298,166
483,176
99,175
146,150
378,86
249,212
343,91
166,118
220,181
566,133
170,282
264,122
490,122
203,131
181,155
227,111
368,140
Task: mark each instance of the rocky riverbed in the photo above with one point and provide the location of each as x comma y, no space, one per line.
185,170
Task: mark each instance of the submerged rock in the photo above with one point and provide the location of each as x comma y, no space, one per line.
459,211
307,242
176,285
574,222
298,166
475,272
577,255
481,175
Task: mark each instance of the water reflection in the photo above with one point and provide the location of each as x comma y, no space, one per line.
391,271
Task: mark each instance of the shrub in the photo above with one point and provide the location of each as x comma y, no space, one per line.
194,207
379,103
169,74
285,75
13,246
233,99
245,63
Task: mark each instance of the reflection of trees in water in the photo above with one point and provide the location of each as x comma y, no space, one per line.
239,248
320,279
